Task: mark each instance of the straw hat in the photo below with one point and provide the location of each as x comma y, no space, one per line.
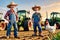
33,8
11,4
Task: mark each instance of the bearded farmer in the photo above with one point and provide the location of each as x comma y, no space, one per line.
12,18
36,17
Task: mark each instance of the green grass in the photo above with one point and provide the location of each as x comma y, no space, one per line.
57,36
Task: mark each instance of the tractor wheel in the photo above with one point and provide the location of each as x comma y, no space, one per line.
57,25
26,26
18,27
6,27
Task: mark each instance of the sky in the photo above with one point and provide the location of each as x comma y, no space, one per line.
46,5
27,4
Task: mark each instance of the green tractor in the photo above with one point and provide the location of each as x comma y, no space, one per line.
23,20
55,19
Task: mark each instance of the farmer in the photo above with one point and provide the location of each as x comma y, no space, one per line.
12,18
36,17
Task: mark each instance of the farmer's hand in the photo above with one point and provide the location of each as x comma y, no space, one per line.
8,20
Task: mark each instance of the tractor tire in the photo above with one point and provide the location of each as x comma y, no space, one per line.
18,27
57,25
6,27
26,26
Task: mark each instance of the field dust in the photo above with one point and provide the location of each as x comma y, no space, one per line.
24,35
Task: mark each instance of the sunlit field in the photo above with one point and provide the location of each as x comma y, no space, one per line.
25,35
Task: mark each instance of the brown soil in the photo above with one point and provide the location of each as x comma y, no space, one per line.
25,35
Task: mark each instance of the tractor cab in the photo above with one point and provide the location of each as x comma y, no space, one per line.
22,14
55,16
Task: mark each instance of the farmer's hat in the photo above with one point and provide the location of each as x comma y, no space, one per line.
11,4
33,8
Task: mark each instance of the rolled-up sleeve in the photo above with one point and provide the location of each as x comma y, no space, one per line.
5,17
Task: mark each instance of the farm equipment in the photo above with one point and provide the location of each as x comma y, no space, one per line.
54,19
23,19
2,22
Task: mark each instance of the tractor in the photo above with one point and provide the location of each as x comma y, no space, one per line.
23,19
2,22
54,19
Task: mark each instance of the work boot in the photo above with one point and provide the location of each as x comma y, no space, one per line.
40,34
17,37
35,34
8,37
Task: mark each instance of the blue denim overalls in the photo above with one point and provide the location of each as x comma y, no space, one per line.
36,19
12,18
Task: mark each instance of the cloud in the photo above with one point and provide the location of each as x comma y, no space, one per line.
55,7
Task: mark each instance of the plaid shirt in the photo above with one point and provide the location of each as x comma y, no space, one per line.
8,13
